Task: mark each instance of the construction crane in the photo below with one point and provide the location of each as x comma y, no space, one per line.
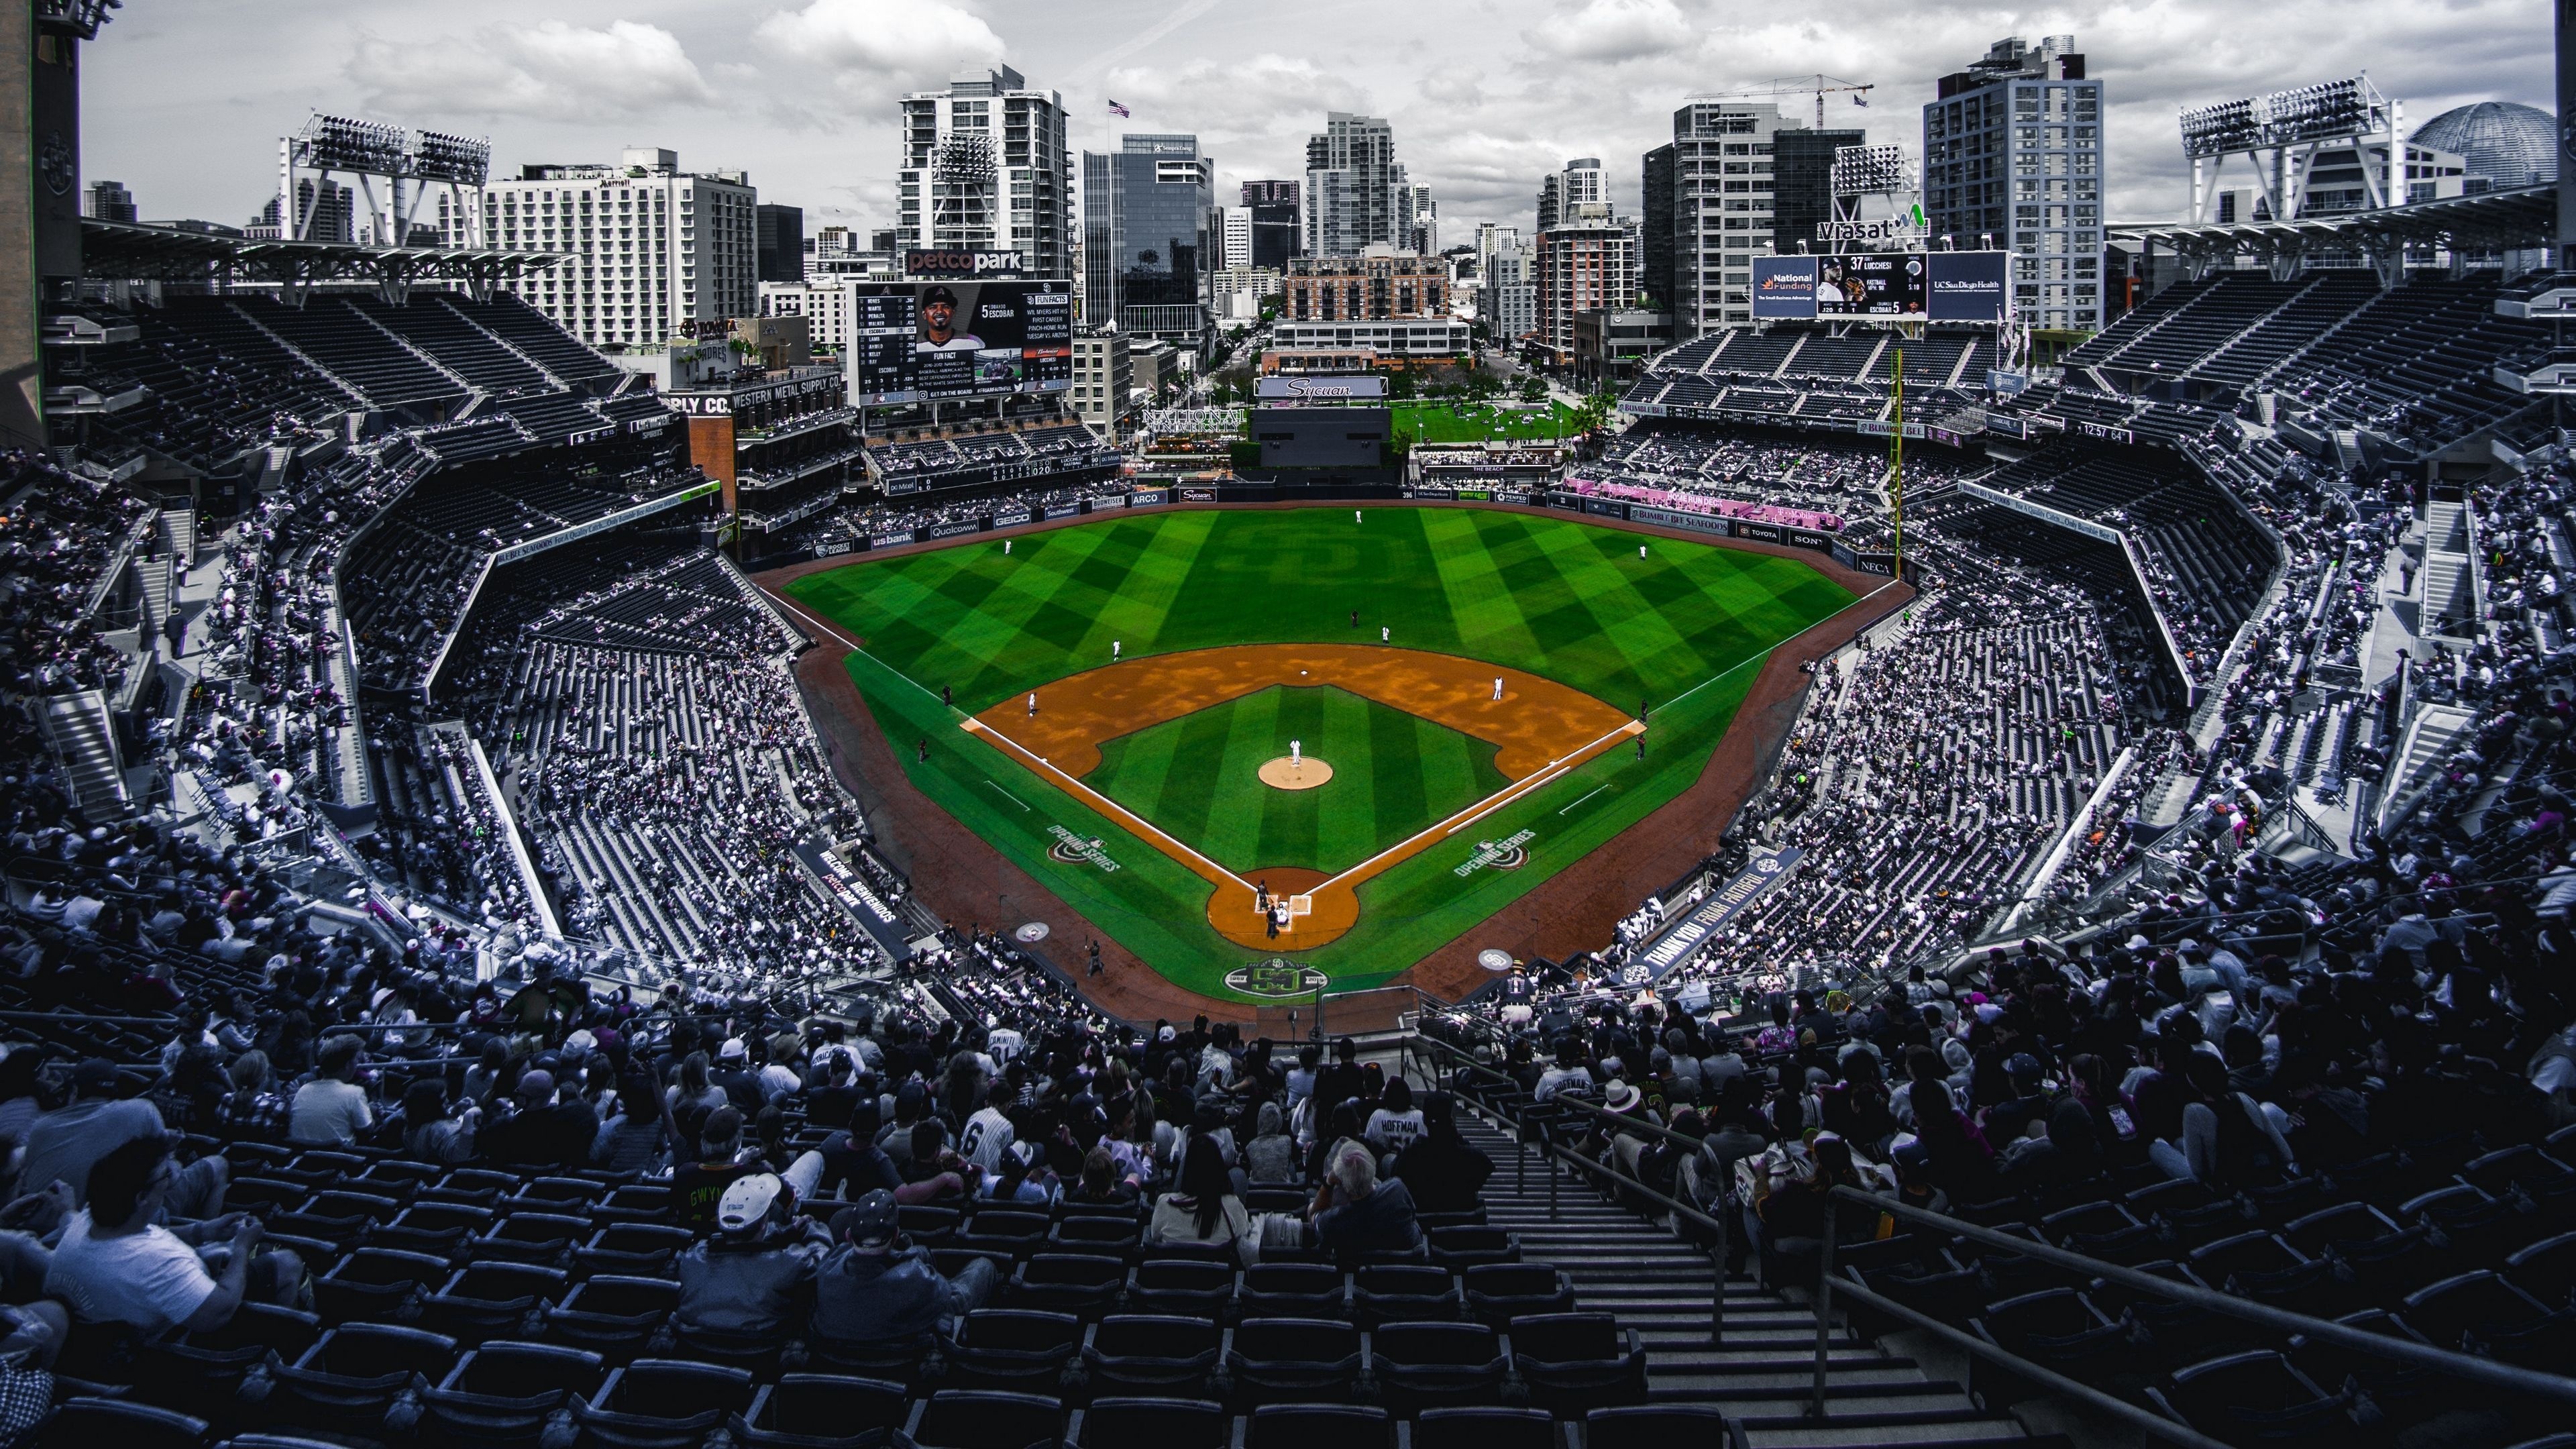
1798,85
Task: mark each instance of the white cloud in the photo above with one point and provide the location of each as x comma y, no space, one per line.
1612,30
877,48
551,71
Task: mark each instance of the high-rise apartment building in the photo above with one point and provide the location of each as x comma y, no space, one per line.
1802,185
1580,192
1417,219
1148,210
1380,285
650,249
1278,224
780,242
1711,207
1235,223
1507,303
985,168
1583,266
108,201
2013,158
1350,186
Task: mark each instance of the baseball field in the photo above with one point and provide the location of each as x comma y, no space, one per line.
1474,422
1386,724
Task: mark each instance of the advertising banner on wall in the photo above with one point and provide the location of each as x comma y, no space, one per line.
1966,287
1784,287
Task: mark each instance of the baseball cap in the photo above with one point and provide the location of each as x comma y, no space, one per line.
733,1050
724,1124
750,1200
872,1222
96,1074
537,1084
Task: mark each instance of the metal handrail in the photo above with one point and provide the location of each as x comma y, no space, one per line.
2487,1372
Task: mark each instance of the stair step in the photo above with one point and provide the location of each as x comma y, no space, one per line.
1979,1433
1838,1387
1702,1388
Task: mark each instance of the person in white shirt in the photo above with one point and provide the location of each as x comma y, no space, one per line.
989,1133
115,1265
1397,1122
331,1109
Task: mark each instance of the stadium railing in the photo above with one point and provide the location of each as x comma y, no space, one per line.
1538,1136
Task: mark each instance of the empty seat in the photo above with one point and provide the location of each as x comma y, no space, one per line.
376,1285
92,1423
2546,1270
1574,1362
494,1300
641,1250
2251,1398
1421,1364
1497,1293
506,1393
658,1403
1458,1249
1192,1289
1303,1426
432,1227
350,1379
1653,1426
982,1419
1081,1284
1121,1423
1484,1428
1294,1290
202,1372
1287,1360
1136,1353
1404,1293
2482,1313
532,1237
614,1316
822,1411
1004,1234
1114,1236
1014,1349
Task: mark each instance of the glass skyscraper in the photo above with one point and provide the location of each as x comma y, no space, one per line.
1147,248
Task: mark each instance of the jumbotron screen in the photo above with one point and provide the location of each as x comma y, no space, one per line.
921,341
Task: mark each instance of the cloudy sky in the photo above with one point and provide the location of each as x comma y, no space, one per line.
185,99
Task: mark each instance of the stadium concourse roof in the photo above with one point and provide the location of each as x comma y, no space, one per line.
131,252
2522,217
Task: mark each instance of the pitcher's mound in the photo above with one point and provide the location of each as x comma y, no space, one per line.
1304,774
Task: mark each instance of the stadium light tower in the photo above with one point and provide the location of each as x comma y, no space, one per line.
2280,136
408,164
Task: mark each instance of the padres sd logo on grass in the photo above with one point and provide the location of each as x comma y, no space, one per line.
1276,977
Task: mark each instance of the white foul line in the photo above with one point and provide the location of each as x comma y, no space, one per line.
1098,801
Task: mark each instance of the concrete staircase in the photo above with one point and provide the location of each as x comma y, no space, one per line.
84,741
1761,1373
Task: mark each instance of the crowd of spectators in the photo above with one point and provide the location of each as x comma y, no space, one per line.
59,532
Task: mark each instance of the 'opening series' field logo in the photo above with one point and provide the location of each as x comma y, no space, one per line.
1277,978
1508,853
1072,849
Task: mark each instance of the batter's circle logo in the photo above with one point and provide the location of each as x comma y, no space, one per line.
1494,958
1275,979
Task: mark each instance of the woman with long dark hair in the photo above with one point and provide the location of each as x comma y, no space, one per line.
1204,1210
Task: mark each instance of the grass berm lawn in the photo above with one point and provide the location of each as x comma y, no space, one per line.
1684,628
1443,422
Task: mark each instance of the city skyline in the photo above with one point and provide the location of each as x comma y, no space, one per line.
1485,97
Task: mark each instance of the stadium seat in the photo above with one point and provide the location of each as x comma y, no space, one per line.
1653,1426
363,1378
1294,1360
508,1393
1119,1423
1404,1293
613,1316
821,1411
1497,1293
91,1423
1305,1425
1130,1353
1575,1362
1080,1284
982,1419
1484,1428
1014,1350
2253,1398
1422,1364
1294,1290
1187,1288
663,1403
494,1300
377,1285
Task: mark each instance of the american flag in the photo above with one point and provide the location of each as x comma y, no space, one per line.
1118,110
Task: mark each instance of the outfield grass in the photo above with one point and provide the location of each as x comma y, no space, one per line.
1440,422
1393,774
1685,627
